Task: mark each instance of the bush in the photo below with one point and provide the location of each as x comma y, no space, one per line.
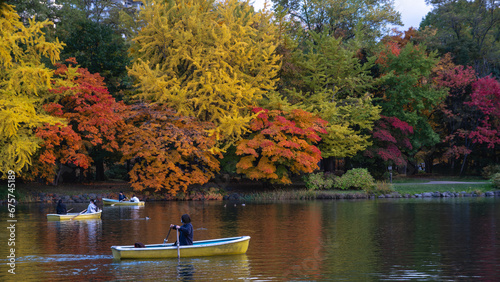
379,189
490,170
356,178
495,179
319,181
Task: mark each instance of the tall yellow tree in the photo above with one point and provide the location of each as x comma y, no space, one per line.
24,85
206,59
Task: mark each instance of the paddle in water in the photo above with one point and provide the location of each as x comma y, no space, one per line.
178,248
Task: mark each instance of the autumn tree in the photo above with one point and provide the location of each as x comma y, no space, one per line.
331,79
25,82
206,59
281,144
169,152
391,142
406,91
94,119
469,114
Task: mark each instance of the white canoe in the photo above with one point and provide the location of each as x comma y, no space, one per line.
114,202
215,247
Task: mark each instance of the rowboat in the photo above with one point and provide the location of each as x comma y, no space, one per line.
74,216
214,247
114,202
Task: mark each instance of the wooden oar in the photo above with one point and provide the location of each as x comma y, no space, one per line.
178,248
166,239
69,210
79,214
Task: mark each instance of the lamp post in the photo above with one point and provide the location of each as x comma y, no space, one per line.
390,173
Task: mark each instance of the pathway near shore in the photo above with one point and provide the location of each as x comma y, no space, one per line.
442,182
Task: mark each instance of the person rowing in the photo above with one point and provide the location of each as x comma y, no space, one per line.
186,231
121,197
61,207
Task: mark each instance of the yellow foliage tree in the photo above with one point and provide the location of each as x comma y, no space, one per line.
24,85
206,59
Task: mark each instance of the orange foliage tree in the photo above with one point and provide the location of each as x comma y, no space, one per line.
282,143
170,152
93,118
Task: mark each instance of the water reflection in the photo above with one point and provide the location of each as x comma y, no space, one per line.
236,267
367,240
80,236
185,271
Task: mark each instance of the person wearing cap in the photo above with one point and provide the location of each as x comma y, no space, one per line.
186,230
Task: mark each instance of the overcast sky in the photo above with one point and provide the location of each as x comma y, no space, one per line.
412,11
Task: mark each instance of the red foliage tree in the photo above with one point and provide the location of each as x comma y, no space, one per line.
93,118
390,136
486,98
281,143
471,112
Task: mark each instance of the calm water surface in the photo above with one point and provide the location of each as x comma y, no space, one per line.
352,240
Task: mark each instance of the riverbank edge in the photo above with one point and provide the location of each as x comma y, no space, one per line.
98,191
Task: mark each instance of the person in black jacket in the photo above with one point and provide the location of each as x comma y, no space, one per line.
186,230
121,197
61,207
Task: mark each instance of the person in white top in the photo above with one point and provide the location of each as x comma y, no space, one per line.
135,199
92,208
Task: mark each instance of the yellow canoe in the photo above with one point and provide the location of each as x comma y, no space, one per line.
73,216
114,202
215,247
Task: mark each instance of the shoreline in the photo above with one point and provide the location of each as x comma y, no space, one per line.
245,191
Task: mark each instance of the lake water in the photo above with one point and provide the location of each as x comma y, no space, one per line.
343,240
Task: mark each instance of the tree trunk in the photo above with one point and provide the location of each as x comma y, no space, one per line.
463,165
428,165
58,175
329,164
99,170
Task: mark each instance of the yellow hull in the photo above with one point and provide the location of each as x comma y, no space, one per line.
73,216
114,202
225,246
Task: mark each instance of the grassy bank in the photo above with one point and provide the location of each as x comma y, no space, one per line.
42,193
402,187
413,189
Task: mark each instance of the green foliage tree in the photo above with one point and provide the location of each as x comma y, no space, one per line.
330,79
93,32
100,50
207,60
406,91
346,19
468,30
24,87
27,9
